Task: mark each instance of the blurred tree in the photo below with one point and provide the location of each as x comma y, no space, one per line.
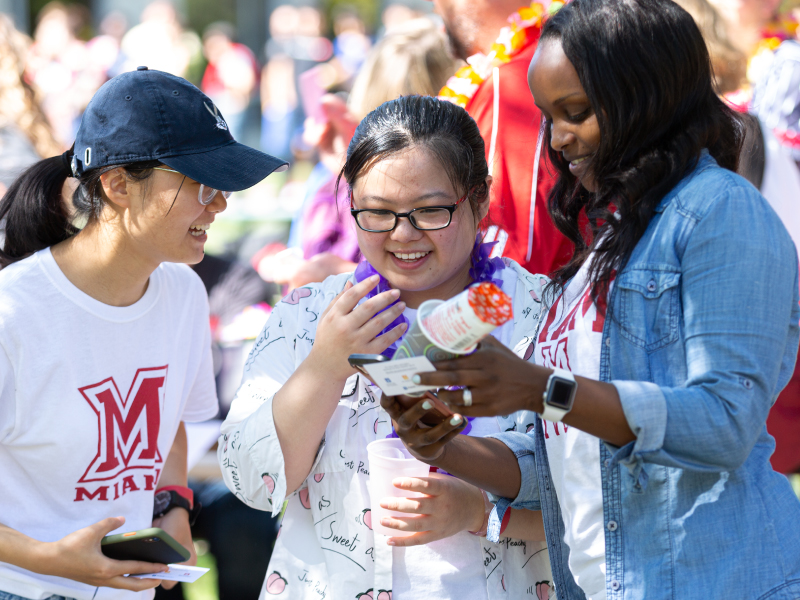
201,13
368,10
81,12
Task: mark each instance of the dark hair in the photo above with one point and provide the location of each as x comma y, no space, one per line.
33,211
646,71
443,128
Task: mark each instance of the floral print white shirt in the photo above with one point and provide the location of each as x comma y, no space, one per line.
326,548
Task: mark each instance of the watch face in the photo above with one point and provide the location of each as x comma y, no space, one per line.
560,394
161,502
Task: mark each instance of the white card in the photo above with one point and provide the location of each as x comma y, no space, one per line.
394,376
176,572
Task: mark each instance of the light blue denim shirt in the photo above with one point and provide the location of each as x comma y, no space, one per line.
701,336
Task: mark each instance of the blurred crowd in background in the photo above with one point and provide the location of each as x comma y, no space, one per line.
300,97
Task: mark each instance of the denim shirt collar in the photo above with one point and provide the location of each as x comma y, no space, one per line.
703,162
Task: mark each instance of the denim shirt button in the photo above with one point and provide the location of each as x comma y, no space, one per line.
612,525
608,341
615,585
651,285
607,462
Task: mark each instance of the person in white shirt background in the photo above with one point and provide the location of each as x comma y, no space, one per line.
105,345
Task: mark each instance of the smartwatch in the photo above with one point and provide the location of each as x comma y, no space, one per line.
170,497
559,394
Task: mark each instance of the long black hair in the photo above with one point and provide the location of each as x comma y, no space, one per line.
646,71
34,214
443,128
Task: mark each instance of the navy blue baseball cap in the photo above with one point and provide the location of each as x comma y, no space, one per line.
147,115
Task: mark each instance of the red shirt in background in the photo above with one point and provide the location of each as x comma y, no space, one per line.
515,149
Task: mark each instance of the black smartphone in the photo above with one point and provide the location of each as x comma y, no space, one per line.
150,545
359,360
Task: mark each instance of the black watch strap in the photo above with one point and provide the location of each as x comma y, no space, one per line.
165,500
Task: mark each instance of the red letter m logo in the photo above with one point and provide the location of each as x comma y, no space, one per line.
128,429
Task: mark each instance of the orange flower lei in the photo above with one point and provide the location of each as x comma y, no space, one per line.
461,87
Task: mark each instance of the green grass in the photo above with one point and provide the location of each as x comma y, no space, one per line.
204,588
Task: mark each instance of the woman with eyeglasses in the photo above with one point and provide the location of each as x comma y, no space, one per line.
673,329
105,346
299,426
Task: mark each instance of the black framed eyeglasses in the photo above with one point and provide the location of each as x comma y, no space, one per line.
425,218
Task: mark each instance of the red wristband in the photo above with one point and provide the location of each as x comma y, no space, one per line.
504,522
181,490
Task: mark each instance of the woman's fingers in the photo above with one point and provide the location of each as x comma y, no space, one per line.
382,342
488,349
369,308
418,506
430,486
331,304
416,539
413,524
391,406
409,418
131,583
373,327
414,506
347,300
455,398
436,435
449,378
137,567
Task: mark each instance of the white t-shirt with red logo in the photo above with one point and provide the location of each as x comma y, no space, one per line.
570,339
91,396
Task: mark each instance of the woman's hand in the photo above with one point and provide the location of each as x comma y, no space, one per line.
77,556
448,507
346,328
501,383
176,524
425,443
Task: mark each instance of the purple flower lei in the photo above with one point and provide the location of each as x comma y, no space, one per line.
483,269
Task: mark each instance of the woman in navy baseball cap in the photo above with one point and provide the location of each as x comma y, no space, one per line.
105,345
147,125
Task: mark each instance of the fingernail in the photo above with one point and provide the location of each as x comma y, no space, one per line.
390,542
394,293
455,420
374,278
416,379
401,306
427,405
385,522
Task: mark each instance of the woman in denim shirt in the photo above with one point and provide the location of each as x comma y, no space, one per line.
683,329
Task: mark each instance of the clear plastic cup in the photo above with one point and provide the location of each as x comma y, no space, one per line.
389,459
